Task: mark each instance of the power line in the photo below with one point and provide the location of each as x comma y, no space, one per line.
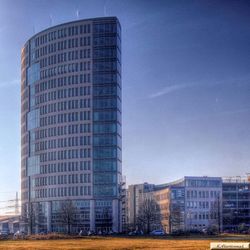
10,200
11,206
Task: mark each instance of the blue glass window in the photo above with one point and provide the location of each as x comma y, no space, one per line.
105,116
105,103
100,153
105,40
106,90
105,66
33,119
105,128
102,140
103,190
105,53
101,78
33,165
105,178
105,28
33,73
105,165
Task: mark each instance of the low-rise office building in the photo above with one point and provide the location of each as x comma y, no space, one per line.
191,203
161,196
10,224
236,204
203,203
135,197
177,208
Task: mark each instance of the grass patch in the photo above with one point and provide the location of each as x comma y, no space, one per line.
124,243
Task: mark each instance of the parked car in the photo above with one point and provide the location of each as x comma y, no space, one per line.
90,233
18,235
4,234
157,232
83,233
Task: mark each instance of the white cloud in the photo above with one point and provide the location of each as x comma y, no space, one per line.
178,87
171,88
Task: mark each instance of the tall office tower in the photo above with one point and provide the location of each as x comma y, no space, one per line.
71,127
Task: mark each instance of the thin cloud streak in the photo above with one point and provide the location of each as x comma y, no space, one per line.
170,89
178,87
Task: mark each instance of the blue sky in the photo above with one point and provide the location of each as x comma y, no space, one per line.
186,84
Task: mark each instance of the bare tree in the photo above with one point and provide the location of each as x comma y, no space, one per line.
30,218
215,213
106,219
149,215
67,212
176,218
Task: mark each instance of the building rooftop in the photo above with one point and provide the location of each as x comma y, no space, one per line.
236,179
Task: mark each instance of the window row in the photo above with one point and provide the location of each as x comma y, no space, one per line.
65,154
110,140
62,33
105,27
65,167
107,40
64,106
107,103
63,179
67,68
62,45
107,116
106,78
203,194
106,66
98,79
203,204
62,130
62,93
63,143
67,117
107,90
203,216
105,190
64,57
106,165
63,69
63,191
203,183
106,152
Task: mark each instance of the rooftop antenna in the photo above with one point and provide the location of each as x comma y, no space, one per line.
105,9
77,14
34,29
51,20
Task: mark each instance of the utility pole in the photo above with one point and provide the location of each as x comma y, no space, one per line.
16,205
219,213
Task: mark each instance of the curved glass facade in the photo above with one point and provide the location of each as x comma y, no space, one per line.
71,123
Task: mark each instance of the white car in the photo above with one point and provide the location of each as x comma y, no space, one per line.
158,232
18,234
